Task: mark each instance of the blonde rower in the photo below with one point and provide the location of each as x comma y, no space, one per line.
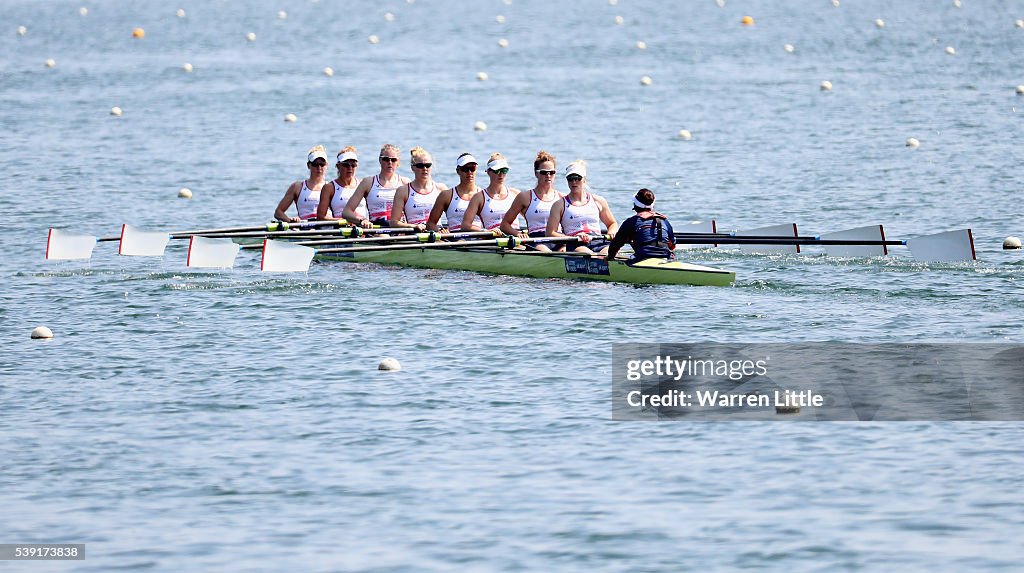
452,203
494,202
305,194
415,199
378,191
580,213
335,194
535,205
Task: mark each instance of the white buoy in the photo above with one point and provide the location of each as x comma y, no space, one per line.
187,67
685,135
499,19
721,3
41,332
389,16
282,15
913,142
826,86
290,118
613,2
83,11
180,13
388,364
482,76
641,45
619,20
503,43
508,2
251,36
835,3
957,4
645,80
1020,90
329,71
50,62
1019,23
789,48
479,126
373,39
951,50
185,193
1011,243
116,111
879,23
22,30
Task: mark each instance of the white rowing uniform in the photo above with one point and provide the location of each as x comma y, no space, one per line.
307,202
580,219
341,197
418,205
494,210
380,198
457,209
538,211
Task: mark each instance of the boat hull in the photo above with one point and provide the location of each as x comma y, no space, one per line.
543,266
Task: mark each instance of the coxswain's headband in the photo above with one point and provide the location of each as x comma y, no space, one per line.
638,203
347,155
497,164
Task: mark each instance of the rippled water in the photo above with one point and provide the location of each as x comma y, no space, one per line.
228,420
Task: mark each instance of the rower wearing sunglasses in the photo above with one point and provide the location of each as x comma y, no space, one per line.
648,232
491,205
335,194
581,213
535,205
452,203
305,193
415,199
378,191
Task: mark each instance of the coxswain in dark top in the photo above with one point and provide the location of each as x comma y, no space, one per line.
648,232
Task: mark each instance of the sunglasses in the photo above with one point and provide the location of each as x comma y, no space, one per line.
468,168
574,178
318,163
389,159
349,164
503,170
546,171
422,165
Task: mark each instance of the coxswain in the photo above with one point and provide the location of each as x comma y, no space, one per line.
648,232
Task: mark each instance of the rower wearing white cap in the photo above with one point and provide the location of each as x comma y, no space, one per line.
491,205
452,203
378,191
580,213
415,199
535,205
305,193
649,232
335,194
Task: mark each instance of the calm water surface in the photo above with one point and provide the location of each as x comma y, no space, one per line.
227,420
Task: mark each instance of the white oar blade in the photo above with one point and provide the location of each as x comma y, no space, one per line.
206,253
703,227
65,246
950,246
869,233
138,243
283,257
784,230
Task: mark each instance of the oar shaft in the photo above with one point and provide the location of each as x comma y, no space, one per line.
419,237
779,241
501,243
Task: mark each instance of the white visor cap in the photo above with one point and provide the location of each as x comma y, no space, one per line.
317,152
497,164
347,156
576,168
466,160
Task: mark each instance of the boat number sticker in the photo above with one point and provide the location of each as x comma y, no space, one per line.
586,266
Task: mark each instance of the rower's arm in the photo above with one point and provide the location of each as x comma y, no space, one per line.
349,213
620,239
398,208
472,210
281,213
555,220
512,214
440,206
325,202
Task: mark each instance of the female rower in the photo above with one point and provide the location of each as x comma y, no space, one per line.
378,191
452,203
335,194
536,204
415,199
580,213
649,232
491,205
305,194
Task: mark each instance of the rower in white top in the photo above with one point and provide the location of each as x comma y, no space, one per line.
378,191
452,203
581,213
415,199
491,205
535,205
305,194
335,194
